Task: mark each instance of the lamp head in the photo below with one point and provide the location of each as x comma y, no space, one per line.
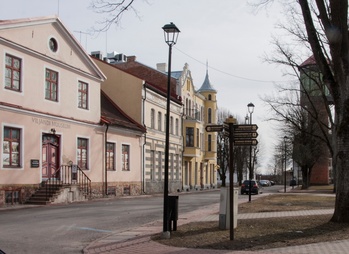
171,33
250,107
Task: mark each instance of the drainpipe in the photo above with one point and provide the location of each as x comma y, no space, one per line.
144,97
105,154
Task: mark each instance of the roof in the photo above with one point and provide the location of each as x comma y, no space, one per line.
150,75
309,61
206,86
113,115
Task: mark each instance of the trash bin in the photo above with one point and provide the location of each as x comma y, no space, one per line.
173,212
293,182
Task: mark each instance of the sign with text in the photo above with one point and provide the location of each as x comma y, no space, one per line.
245,142
245,128
214,128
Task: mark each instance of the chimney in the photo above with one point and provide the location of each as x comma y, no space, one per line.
161,67
131,58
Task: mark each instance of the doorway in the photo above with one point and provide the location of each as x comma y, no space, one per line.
50,155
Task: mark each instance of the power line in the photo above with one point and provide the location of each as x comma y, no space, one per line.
226,73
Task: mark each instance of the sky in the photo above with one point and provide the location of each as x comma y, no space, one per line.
229,38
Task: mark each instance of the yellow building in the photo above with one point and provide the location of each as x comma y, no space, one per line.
200,148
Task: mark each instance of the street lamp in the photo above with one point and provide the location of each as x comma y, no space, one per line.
285,137
171,34
250,108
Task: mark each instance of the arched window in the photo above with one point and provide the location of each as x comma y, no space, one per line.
209,97
152,118
159,121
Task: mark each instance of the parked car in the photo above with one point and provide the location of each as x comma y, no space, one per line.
246,185
265,183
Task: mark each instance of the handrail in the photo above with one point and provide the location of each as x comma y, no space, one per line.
67,175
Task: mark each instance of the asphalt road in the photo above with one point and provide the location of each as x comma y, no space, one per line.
69,228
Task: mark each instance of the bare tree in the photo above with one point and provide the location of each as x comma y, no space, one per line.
112,11
325,23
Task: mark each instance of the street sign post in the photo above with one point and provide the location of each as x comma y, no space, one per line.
245,128
245,135
245,142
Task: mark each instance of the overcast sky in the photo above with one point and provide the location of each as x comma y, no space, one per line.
228,34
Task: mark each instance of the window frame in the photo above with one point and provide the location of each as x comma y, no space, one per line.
152,118
189,137
10,147
159,120
51,83
79,158
125,165
110,166
13,69
82,92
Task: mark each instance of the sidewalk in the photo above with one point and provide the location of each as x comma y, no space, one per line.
138,240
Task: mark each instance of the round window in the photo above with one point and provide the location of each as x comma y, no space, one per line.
53,44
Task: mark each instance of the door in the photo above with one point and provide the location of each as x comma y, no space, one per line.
50,155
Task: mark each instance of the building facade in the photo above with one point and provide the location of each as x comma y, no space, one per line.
200,147
141,92
51,114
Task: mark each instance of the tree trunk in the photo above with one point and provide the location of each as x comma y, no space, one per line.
305,177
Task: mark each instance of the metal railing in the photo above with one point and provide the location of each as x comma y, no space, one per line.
68,175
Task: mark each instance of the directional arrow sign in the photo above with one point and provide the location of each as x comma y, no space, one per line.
245,142
245,135
245,128
214,128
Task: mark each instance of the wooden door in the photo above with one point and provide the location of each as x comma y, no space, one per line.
50,155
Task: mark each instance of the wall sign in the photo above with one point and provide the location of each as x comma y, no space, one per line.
34,163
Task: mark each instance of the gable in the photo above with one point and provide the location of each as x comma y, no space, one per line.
49,38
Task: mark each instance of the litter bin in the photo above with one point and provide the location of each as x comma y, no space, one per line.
173,211
293,182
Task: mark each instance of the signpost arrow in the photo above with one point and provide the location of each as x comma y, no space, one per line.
214,128
245,135
245,128
245,142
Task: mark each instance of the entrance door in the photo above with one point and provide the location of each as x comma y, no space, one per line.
50,155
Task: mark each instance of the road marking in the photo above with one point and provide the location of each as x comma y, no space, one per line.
95,229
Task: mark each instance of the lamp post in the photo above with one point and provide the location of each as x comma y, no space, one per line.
171,34
285,137
250,108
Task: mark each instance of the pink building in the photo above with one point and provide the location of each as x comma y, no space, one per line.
54,118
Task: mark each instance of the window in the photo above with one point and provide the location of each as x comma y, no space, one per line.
11,147
110,156
197,137
177,126
171,125
186,106
209,97
152,118
177,167
82,153
159,121
159,165
209,115
209,142
53,45
51,85
189,137
83,95
13,73
152,164
126,157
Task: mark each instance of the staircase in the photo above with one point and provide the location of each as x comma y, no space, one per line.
68,184
45,194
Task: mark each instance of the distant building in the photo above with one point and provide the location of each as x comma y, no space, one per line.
200,147
141,92
313,101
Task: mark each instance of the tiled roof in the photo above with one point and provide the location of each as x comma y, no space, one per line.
114,116
150,75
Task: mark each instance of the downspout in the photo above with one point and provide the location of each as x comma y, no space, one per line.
144,97
106,161
182,161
